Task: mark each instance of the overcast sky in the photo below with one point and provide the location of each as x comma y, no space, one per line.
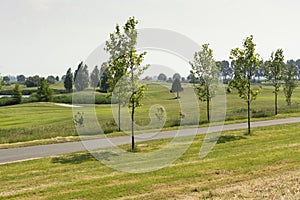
48,36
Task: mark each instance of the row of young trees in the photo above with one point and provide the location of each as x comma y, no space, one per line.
246,62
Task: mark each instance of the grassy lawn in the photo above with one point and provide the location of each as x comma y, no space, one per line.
36,121
264,165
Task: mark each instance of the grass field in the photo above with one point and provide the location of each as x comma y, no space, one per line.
264,165
35,121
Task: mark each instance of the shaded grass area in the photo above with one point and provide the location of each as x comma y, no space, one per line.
237,159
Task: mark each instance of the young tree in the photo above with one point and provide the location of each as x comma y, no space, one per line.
57,78
246,61
133,61
205,73
273,72
95,77
290,80
176,87
68,80
17,94
44,92
124,64
81,77
162,77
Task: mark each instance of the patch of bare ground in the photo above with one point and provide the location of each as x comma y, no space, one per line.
284,185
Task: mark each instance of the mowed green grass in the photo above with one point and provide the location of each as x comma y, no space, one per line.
236,161
35,121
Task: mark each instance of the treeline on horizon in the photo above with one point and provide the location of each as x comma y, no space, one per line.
226,73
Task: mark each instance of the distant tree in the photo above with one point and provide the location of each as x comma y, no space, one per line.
176,76
162,77
259,72
50,79
44,92
17,94
57,78
147,78
63,77
176,87
191,78
183,79
21,79
246,61
68,80
298,65
274,71
95,77
170,80
290,80
105,75
32,81
205,71
1,82
81,77
6,79
226,70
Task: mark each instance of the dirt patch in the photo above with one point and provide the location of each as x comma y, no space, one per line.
285,185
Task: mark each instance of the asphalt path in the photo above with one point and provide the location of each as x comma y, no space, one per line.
40,151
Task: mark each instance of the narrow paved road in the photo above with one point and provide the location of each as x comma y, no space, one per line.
40,151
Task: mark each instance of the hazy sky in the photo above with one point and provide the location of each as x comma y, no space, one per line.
48,36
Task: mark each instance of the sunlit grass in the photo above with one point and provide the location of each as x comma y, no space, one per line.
235,160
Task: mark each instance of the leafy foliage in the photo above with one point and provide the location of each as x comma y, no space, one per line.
81,77
95,77
32,81
21,79
290,80
17,94
51,79
44,92
274,71
205,75
124,64
246,61
68,80
162,77
176,76
176,87
105,75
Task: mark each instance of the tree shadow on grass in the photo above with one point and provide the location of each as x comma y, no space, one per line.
82,157
229,138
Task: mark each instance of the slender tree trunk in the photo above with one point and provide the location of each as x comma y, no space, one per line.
119,116
177,94
207,105
249,108
275,103
132,127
